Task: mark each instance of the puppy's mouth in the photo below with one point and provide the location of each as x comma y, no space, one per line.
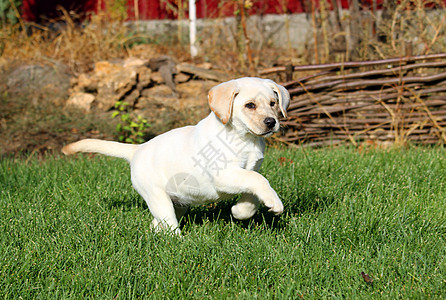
267,134
263,134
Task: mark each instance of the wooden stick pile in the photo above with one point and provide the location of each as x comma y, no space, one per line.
395,100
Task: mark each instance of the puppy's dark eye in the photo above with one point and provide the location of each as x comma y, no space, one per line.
250,105
272,103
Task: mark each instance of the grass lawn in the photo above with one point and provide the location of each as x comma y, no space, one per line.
74,228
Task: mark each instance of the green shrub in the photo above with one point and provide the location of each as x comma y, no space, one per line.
131,129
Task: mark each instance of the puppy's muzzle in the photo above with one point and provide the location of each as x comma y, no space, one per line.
270,122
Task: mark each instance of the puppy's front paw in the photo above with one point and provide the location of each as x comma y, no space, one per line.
277,209
275,205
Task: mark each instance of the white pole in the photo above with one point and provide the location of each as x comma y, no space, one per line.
193,28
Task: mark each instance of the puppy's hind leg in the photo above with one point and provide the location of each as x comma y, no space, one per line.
161,208
246,207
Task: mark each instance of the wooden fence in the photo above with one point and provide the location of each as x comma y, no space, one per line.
396,100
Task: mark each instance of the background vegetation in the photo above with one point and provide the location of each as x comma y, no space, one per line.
412,27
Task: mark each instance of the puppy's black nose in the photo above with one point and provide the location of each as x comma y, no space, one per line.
269,122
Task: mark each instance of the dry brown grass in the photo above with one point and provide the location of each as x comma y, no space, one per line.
407,27
410,28
74,46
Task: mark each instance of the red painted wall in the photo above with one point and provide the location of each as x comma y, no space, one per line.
39,10
156,9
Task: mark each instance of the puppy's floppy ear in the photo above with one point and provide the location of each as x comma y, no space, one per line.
221,99
282,94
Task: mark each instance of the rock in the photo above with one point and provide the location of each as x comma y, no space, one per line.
139,81
156,62
205,65
104,68
192,93
110,82
157,78
165,65
133,62
195,92
159,93
201,72
39,80
81,101
132,98
84,83
181,78
115,83
167,72
144,77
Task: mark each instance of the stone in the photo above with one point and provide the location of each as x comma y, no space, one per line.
167,74
157,78
195,92
133,62
114,87
156,62
132,98
159,93
84,83
205,65
39,80
165,65
81,101
110,81
103,68
144,77
181,78
201,72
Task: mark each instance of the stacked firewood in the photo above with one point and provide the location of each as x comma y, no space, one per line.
386,101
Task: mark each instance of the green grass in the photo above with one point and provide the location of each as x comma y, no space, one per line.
75,228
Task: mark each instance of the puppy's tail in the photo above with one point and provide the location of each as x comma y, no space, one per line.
109,148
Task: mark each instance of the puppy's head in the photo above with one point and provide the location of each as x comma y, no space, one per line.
250,105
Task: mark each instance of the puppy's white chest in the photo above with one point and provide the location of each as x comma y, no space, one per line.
213,159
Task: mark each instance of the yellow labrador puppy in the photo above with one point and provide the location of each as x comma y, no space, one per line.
213,160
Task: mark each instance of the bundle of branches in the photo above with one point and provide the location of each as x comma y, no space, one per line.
395,100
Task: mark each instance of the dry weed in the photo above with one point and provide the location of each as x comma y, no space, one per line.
76,45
